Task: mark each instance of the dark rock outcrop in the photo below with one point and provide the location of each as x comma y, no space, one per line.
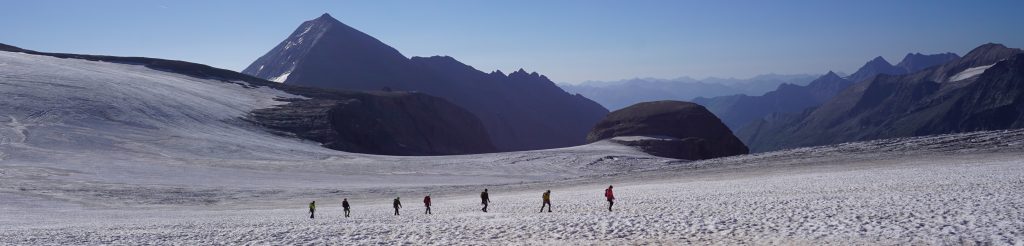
388,123
520,111
671,129
399,123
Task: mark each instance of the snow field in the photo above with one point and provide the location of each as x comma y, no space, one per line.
969,73
928,200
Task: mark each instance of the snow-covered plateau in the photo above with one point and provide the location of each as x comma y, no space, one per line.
107,153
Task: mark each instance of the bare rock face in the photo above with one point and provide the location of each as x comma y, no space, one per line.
672,129
388,123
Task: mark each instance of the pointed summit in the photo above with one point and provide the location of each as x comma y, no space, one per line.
326,16
831,83
874,67
521,73
830,74
319,44
879,60
325,21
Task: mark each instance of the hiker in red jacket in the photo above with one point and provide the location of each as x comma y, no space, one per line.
611,197
426,202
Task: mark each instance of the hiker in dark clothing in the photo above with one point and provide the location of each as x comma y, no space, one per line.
611,197
312,209
485,199
426,202
547,201
344,204
397,204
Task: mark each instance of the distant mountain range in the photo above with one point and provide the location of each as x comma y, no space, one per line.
619,94
739,110
520,111
984,90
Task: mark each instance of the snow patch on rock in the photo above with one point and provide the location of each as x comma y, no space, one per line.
969,73
281,78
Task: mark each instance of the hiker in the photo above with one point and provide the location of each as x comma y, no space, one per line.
547,201
611,197
426,202
397,204
485,199
312,209
344,204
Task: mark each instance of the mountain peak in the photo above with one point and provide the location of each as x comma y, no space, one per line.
324,22
519,73
986,54
874,67
880,60
321,40
990,49
326,16
992,46
829,78
914,62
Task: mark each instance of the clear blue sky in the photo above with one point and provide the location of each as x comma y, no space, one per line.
570,41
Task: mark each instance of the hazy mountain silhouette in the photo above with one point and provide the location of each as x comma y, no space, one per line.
622,93
912,62
984,90
739,110
520,111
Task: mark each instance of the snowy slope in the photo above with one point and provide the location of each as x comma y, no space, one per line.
969,73
127,131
